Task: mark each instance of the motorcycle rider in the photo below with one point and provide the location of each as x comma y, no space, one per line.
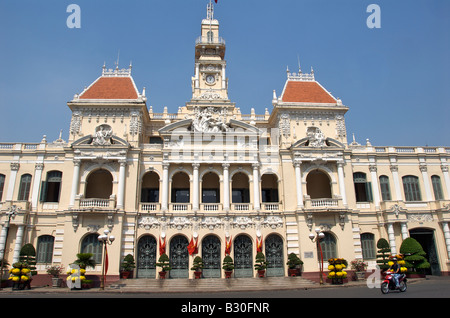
395,269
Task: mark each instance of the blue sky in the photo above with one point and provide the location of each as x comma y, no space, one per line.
395,80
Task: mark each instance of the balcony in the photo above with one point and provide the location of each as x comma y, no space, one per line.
82,203
149,206
210,41
323,203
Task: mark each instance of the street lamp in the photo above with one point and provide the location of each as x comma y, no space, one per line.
11,213
105,240
316,238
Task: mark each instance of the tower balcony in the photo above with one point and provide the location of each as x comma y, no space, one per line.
205,40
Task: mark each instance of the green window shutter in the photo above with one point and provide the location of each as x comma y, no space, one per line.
369,192
43,195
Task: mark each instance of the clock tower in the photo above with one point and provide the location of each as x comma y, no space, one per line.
209,83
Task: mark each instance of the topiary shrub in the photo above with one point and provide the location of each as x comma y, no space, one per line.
383,253
414,255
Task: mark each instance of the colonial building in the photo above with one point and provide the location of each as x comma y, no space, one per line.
223,180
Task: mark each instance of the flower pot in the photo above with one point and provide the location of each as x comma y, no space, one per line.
261,272
292,272
126,275
228,274
198,275
360,275
162,275
56,282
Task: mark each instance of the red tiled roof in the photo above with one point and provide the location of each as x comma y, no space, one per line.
111,88
306,92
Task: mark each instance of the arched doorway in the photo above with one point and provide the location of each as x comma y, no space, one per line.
211,256
179,257
146,259
210,188
425,237
243,256
99,184
318,185
274,256
239,188
150,187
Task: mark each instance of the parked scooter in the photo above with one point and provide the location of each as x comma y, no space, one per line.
389,284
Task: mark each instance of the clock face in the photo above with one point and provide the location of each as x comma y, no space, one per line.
210,79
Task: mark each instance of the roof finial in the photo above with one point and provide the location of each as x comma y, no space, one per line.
210,11
299,67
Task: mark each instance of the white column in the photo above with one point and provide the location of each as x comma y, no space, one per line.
196,199
3,239
75,181
444,169
197,75
12,180
18,245
340,166
446,231
165,188
224,78
398,191
37,180
226,187
256,203
298,182
375,188
391,236
405,234
426,182
121,190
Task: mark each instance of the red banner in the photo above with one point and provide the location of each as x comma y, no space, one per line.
162,246
227,246
192,247
259,243
106,260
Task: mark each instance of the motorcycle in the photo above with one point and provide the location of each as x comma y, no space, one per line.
389,284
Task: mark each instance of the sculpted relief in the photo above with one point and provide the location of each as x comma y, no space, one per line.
209,120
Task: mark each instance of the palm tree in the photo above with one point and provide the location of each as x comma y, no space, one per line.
84,260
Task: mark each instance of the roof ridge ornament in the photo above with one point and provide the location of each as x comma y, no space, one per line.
116,72
302,77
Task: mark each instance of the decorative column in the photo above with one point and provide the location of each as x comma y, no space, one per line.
256,203
75,181
18,245
405,234
446,230
298,182
391,236
398,191
121,190
12,180
165,187
37,180
376,192
340,167
226,187
444,169
195,203
426,181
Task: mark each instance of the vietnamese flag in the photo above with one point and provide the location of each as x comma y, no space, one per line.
192,247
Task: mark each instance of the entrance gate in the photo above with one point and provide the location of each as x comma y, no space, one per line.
274,256
211,256
146,261
243,257
179,257
425,237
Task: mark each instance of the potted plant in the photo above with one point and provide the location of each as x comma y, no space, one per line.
3,266
383,253
359,267
336,268
164,263
83,260
294,264
260,264
197,267
127,266
55,271
20,275
228,266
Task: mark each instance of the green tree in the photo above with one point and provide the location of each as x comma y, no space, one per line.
28,255
414,254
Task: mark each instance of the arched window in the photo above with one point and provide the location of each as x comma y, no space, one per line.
44,252
269,188
318,185
180,188
210,188
99,184
328,245
385,189
90,244
2,185
363,189
150,187
437,187
368,246
411,188
240,192
51,187
24,190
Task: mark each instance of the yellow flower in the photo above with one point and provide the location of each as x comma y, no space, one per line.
15,271
330,267
403,269
390,263
401,262
338,267
82,271
331,274
24,278
15,278
339,274
73,271
344,274
25,271
82,277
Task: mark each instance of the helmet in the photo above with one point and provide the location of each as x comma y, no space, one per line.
394,258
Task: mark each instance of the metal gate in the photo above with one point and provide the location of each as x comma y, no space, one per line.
179,257
274,256
146,261
243,257
211,256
